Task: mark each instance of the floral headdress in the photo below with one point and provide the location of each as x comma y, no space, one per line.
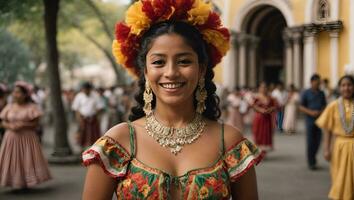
144,13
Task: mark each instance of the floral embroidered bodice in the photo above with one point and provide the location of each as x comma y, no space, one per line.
139,181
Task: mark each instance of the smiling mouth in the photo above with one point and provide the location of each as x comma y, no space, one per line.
171,85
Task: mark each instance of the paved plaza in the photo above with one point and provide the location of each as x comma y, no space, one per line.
283,175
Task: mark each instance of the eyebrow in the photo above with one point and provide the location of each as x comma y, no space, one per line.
179,54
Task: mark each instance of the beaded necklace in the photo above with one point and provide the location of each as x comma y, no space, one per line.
348,128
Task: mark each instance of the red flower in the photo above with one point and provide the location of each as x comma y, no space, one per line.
122,32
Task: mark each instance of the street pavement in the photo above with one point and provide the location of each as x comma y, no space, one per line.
282,175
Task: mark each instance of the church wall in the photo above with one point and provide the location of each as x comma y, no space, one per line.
323,56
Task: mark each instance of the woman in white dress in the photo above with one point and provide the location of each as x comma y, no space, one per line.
290,113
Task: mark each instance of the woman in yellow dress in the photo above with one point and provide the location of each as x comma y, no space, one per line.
338,122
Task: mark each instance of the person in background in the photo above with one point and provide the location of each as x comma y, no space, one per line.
87,106
265,107
337,121
280,94
235,118
313,101
290,112
22,163
328,91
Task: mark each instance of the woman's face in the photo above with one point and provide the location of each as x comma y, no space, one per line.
346,88
172,69
263,88
18,95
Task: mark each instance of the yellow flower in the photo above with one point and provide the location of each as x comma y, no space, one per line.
116,50
203,192
217,39
145,190
199,12
224,191
126,183
136,19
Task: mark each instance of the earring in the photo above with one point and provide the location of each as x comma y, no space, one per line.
201,96
147,99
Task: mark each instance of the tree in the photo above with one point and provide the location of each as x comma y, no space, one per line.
14,62
61,146
81,13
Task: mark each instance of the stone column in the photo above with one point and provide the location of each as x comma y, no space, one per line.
252,74
288,58
230,75
310,54
334,57
297,67
242,60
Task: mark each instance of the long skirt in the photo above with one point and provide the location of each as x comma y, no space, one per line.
22,163
262,129
342,169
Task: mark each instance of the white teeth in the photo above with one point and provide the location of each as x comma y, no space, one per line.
171,85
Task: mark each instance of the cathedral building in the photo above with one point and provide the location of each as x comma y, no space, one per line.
286,40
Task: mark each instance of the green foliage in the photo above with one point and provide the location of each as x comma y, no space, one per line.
14,62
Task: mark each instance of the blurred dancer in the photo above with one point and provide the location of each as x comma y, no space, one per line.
263,122
22,163
234,116
337,120
290,112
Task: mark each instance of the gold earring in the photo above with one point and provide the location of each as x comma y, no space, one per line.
201,96
147,99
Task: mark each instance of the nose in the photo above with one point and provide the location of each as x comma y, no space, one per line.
171,70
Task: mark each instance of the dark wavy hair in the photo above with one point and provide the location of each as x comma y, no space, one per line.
195,40
25,92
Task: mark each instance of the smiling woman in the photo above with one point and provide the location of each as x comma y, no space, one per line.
173,147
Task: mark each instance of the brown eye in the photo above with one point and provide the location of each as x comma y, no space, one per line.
184,61
158,62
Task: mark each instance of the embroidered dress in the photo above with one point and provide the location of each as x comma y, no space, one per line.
139,181
342,161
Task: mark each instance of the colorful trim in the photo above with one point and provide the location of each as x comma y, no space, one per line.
241,157
112,158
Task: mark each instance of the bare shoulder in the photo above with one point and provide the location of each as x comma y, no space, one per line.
120,133
232,135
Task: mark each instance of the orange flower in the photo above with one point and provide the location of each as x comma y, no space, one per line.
211,181
203,193
126,183
230,160
224,191
136,19
199,13
117,52
145,189
217,39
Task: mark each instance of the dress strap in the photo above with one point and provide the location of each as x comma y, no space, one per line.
132,139
222,147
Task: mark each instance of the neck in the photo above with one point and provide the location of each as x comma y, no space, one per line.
176,116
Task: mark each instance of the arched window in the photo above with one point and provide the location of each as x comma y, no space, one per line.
322,10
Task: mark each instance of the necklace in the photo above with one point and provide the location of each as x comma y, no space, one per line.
347,128
174,138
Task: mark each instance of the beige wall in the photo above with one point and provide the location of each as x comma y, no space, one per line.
299,7
344,36
323,56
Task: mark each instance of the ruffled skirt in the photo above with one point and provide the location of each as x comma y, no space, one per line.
22,163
